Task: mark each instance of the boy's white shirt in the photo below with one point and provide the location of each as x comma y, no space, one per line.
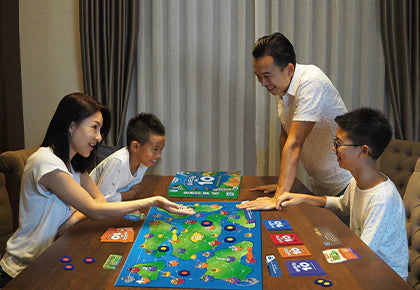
377,216
113,175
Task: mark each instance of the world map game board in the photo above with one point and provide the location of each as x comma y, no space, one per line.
217,248
208,184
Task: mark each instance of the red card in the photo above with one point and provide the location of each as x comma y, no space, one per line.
285,239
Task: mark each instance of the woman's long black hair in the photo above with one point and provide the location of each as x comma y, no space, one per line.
75,108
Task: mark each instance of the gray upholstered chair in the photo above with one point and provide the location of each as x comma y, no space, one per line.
12,164
398,161
412,212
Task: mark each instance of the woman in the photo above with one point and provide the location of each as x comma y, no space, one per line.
55,182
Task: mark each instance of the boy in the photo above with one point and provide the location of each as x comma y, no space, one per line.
375,207
118,176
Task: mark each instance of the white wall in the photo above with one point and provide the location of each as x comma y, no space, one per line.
50,60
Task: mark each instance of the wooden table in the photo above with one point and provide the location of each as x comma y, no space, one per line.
368,272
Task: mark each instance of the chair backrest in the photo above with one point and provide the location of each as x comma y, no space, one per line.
412,212
398,161
104,151
12,164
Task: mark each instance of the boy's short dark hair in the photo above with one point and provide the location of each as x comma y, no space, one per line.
278,47
367,126
142,126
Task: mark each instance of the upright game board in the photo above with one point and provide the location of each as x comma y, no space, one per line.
219,184
217,248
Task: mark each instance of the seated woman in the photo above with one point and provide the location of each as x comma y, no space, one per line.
55,182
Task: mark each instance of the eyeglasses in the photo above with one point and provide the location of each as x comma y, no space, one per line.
337,144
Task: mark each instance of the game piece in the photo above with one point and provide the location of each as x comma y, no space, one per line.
123,235
65,259
294,251
216,248
89,260
277,225
68,267
218,184
319,281
327,236
273,267
112,262
134,216
285,239
327,283
340,255
304,268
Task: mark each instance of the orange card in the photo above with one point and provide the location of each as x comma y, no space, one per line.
294,251
122,235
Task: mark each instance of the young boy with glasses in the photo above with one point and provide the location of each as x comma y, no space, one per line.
372,201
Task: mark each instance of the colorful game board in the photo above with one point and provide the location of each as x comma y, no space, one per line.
217,248
219,184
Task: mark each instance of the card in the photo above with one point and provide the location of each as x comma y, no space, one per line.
273,267
327,236
277,225
294,251
304,268
123,235
340,255
285,239
112,262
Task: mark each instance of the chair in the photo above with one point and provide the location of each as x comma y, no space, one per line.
12,164
412,212
5,215
398,161
104,151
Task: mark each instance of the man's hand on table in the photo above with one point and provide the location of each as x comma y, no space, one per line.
261,203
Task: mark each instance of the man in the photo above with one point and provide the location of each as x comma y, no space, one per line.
307,104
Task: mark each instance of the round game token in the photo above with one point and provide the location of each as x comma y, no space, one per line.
163,249
89,260
68,267
206,223
184,273
230,239
65,259
327,283
319,281
230,228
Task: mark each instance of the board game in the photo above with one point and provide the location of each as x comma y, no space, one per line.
208,184
217,248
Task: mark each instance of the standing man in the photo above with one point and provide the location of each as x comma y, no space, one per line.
307,104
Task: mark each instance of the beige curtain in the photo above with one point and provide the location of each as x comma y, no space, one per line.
108,35
400,23
194,70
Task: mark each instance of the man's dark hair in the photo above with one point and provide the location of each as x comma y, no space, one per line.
142,126
278,47
367,127
74,107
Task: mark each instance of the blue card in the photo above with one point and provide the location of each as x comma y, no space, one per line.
273,267
304,268
277,225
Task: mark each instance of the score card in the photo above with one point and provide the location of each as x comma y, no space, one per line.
277,225
294,251
304,268
285,239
